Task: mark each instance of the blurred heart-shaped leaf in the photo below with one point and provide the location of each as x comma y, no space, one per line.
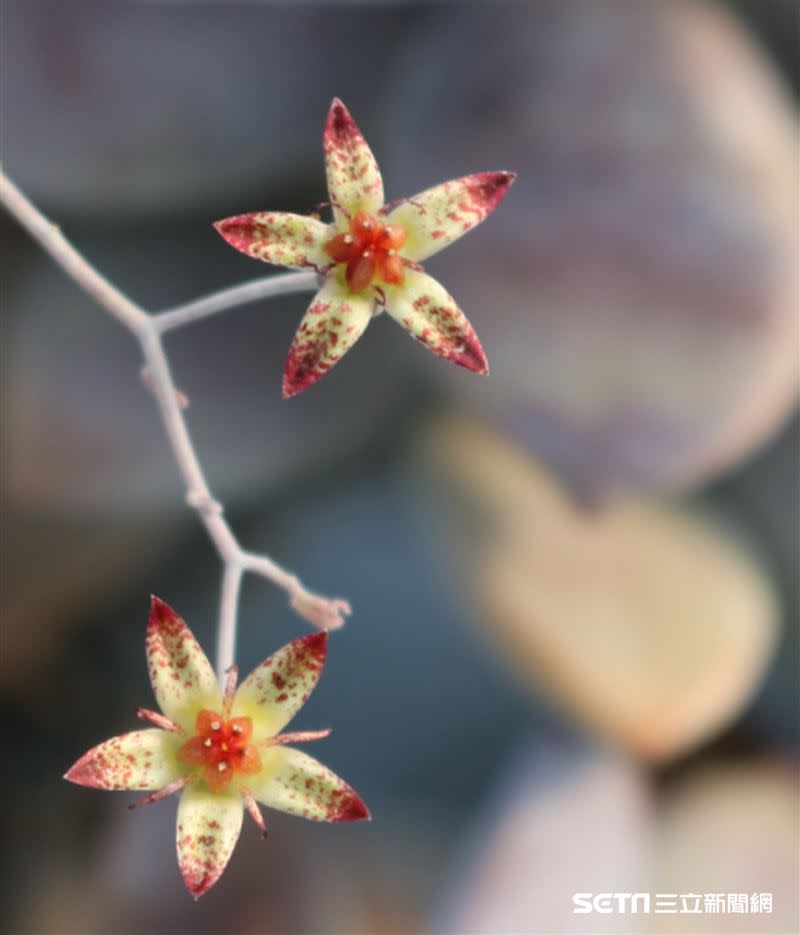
649,624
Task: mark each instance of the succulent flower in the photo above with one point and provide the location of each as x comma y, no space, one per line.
370,255
222,750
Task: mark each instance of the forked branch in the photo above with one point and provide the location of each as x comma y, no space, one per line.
148,329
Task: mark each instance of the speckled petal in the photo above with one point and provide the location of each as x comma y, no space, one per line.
436,217
354,180
335,320
425,309
182,677
142,760
277,237
276,690
208,829
295,782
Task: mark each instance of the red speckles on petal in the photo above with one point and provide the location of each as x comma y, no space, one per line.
470,354
140,760
334,321
179,669
208,828
442,214
296,783
281,684
276,237
341,124
351,808
238,231
426,310
354,180
489,189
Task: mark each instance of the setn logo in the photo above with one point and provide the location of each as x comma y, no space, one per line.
611,902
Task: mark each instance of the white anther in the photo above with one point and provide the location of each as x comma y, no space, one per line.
237,728
348,239
222,767
366,254
215,725
207,742
392,252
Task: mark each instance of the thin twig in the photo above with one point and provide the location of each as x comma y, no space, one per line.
265,287
147,328
228,614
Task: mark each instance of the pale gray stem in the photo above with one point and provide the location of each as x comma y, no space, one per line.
266,287
228,615
320,611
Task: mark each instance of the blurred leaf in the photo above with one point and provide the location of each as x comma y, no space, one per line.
553,828
651,626
636,294
731,828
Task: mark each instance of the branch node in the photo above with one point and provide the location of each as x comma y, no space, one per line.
147,329
146,374
204,503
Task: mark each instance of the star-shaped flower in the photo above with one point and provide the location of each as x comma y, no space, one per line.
223,751
370,256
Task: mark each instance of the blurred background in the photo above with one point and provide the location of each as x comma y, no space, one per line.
573,662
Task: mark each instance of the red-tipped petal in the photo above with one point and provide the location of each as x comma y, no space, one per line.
436,217
276,690
430,314
354,180
276,237
294,782
182,678
141,760
208,829
335,320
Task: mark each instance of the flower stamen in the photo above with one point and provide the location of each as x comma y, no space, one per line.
221,747
369,249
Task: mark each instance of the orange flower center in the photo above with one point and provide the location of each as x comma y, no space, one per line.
369,250
222,748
